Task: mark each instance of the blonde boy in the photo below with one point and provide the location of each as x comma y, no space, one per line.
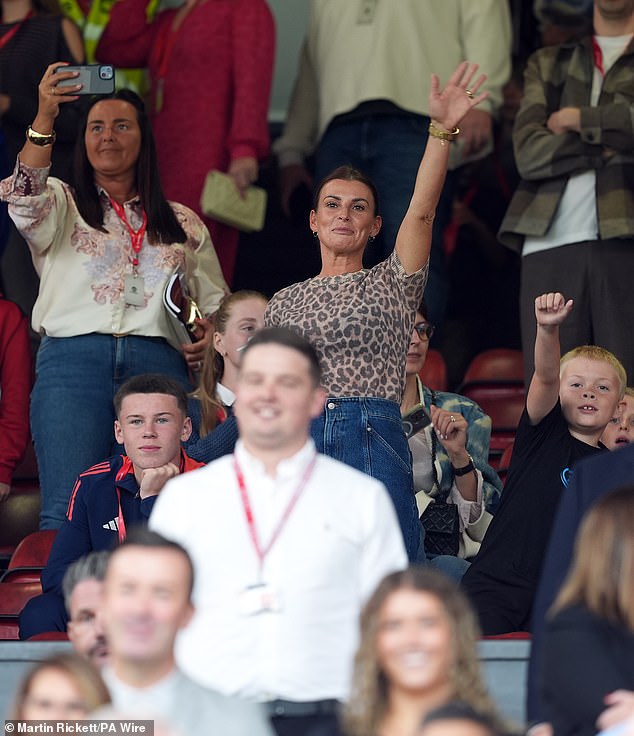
620,429
568,405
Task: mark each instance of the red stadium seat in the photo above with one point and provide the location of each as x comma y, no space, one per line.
499,364
434,372
29,558
13,598
504,403
19,515
495,381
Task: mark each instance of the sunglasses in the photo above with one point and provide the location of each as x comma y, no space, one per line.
424,330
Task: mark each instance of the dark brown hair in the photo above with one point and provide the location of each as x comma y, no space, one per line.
162,224
348,173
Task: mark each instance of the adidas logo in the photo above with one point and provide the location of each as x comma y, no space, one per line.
112,525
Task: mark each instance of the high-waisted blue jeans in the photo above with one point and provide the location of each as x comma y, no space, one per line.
72,415
367,434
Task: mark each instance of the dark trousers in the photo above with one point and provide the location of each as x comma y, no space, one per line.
317,725
597,275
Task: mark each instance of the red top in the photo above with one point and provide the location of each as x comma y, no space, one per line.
215,86
15,387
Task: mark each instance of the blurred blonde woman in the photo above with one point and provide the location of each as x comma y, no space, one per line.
587,677
238,318
417,652
62,687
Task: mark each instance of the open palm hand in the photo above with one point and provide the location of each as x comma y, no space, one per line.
449,105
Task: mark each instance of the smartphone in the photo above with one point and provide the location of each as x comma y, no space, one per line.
96,79
415,420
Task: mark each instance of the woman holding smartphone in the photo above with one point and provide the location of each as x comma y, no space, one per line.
105,251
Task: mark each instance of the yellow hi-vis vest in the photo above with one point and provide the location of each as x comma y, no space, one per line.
92,26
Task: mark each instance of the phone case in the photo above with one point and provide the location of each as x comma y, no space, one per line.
416,420
97,79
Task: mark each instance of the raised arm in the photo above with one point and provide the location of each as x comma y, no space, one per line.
42,127
550,312
447,107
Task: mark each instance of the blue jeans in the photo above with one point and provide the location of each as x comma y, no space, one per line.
388,149
72,414
366,433
453,567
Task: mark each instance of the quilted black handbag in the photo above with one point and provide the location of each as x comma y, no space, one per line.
440,519
442,527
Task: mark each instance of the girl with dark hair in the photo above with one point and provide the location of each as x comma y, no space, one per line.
105,252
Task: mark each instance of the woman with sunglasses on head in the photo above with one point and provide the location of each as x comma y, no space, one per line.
450,456
360,320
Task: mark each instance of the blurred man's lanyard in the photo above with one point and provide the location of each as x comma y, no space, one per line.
262,551
367,11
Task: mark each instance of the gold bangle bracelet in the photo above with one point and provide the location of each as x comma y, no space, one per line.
444,135
40,139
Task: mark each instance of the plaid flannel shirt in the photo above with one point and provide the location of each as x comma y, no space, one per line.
557,77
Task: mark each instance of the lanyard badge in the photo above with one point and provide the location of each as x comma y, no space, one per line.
261,597
134,287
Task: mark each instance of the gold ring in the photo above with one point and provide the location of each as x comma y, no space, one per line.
53,90
469,94
452,418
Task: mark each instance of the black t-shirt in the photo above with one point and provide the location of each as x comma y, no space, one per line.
584,659
515,543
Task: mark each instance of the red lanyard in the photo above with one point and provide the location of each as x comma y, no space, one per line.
598,56
11,33
136,236
260,551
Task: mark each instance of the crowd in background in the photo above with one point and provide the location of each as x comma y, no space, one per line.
419,201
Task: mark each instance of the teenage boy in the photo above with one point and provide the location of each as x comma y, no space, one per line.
151,424
569,403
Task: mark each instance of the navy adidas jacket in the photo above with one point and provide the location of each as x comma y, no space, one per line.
92,517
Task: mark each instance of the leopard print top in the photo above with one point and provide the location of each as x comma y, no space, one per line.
360,324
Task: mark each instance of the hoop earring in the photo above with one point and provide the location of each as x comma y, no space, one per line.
315,234
371,239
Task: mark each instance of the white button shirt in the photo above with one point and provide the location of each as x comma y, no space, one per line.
341,538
